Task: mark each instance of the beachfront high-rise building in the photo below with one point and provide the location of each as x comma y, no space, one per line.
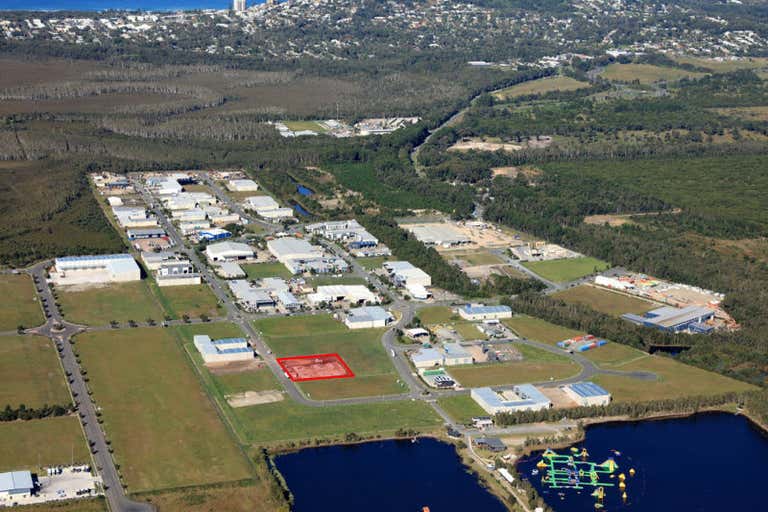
238,5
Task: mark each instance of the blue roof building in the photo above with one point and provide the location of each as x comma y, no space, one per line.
672,319
16,483
483,312
587,394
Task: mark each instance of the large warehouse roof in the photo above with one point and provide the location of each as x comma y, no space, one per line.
588,389
16,481
476,309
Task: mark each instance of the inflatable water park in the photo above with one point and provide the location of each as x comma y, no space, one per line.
574,471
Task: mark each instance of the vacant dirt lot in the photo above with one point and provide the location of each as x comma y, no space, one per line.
254,398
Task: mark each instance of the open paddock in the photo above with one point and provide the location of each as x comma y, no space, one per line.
35,444
191,300
30,373
18,303
262,270
99,305
237,497
164,429
541,86
568,269
646,73
461,408
605,301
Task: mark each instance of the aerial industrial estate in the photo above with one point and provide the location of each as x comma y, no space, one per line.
234,237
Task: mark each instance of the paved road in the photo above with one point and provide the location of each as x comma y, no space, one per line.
61,333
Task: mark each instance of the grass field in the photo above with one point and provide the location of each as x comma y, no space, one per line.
372,263
541,86
461,408
361,349
82,505
473,258
646,73
605,301
118,301
539,330
283,421
675,380
18,303
163,428
232,498
304,125
38,443
561,271
724,66
262,270
30,373
537,366
190,300
435,315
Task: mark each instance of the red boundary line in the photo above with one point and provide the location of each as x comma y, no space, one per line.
337,357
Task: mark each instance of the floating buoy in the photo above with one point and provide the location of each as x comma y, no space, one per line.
624,496
622,477
541,464
622,485
631,471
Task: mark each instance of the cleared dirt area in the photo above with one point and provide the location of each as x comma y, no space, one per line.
247,398
615,220
513,172
475,144
558,397
234,367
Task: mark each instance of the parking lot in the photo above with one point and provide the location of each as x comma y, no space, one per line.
64,486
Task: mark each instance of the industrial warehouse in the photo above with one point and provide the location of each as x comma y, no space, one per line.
691,319
105,268
523,397
225,350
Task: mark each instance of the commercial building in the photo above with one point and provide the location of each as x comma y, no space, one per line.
189,215
405,274
613,282
16,484
416,291
105,268
142,233
177,273
348,232
482,312
249,297
493,444
289,248
455,354
179,202
164,185
417,333
230,270
276,214
438,234
229,251
288,300
672,319
153,260
261,203
133,217
226,350
427,358
213,234
192,226
587,394
354,294
524,397
321,265
243,185
367,317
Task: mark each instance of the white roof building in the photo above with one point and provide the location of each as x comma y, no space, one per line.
229,251
250,297
224,350
261,203
587,394
164,185
524,397
289,248
242,185
405,274
105,268
356,294
455,354
483,312
16,484
427,358
367,317
230,270
275,213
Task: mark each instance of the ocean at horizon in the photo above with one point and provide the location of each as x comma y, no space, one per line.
128,5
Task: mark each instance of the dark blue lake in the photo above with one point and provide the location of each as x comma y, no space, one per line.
384,476
306,192
705,463
300,210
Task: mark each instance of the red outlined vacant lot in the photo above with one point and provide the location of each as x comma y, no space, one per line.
315,367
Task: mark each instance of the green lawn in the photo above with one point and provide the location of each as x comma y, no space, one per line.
478,257
568,269
435,315
35,444
163,427
540,330
605,301
287,420
304,125
117,301
361,349
537,366
646,73
193,300
372,263
675,380
461,408
30,373
541,86
262,270
18,303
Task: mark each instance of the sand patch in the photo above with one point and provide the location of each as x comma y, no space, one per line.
254,398
234,367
